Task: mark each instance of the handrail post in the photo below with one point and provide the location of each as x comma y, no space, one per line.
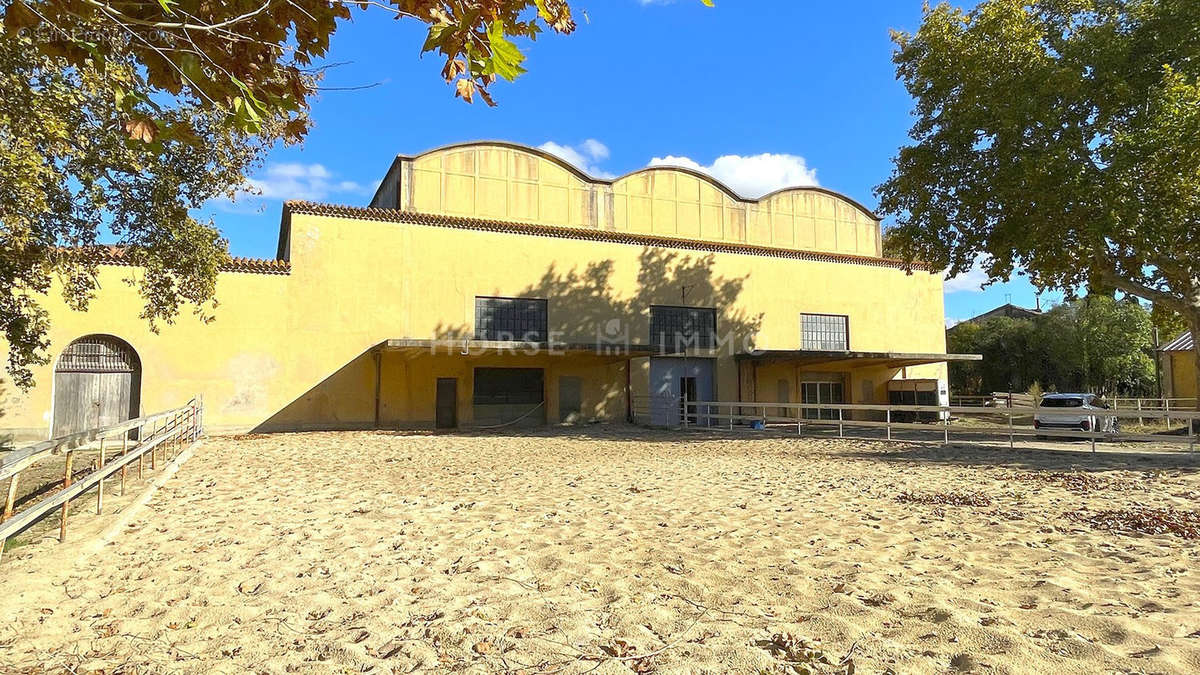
124,451
10,499
1167,406
100,485
889,423
840,432
946,428
1010,425
62,523
1191,425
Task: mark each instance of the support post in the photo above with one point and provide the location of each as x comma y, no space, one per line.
1010,425
62,518
11,498
889,424
1167,407
1191,425
100,484
840,434
124,451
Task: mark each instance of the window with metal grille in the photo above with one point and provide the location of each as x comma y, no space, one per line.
97,354
676,329
825,332
818,393
510,319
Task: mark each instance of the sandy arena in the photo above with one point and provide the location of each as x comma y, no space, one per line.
614,550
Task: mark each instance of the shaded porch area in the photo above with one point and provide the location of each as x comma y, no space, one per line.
849,377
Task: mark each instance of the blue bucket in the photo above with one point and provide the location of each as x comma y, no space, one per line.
758,425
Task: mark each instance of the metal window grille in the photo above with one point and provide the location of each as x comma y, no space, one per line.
825,332
820,393
675,329
511,319
97,354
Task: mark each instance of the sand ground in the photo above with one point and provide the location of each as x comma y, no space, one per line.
617,550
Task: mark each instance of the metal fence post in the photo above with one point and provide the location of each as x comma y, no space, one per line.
1167,407
840,434
1010,425
889,424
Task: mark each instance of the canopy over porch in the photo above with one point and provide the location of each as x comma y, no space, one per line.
837,360
469,347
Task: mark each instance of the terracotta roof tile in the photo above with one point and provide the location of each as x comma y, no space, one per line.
115,255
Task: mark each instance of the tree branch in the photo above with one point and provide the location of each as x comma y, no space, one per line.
1110,276
119,16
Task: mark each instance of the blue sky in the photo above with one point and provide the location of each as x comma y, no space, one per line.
761,94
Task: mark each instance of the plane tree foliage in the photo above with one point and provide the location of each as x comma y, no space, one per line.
1058,139
119,117
1093,344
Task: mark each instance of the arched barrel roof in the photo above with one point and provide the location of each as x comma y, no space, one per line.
510,181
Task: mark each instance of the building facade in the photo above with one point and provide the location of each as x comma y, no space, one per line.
490,284
1177,364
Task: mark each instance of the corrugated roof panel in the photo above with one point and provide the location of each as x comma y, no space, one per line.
1183,343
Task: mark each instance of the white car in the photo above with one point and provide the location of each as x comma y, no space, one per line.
1074,412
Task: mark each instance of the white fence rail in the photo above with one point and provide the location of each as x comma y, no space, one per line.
890,418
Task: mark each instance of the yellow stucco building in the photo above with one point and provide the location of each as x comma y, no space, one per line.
1177,360
489,284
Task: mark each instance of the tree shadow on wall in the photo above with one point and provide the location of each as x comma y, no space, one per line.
586,305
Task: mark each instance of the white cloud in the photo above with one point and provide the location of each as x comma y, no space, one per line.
971,281
951,323
309,182
751,176
585,156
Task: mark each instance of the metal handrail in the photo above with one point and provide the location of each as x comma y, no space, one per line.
178,427
711,410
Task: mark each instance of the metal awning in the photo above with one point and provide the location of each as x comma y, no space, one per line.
851,359
467,347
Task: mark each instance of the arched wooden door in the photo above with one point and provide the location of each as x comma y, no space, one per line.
97,382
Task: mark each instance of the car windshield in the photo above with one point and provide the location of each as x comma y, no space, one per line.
1062,403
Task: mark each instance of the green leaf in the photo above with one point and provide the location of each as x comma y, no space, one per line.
506,58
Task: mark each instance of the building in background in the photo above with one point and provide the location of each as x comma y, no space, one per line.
1007,310
1177,360
490,284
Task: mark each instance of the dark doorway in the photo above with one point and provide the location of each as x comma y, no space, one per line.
447,403
687,393
570,398
509,397
97,383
